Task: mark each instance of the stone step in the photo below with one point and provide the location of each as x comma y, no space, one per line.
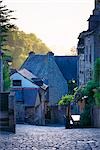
3,127
4,121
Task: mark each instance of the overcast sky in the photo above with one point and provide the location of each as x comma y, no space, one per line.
56,22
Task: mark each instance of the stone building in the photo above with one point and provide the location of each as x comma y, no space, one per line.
54,71
45,67
30,93
89,46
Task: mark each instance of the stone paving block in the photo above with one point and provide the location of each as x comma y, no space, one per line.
30,137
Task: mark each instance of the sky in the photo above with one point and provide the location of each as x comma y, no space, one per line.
56,22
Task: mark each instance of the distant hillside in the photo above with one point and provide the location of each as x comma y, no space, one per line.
19,44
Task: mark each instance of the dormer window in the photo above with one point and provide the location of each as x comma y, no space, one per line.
17,83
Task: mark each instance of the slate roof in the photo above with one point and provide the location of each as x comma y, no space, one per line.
31,77
36,64
24,72
45,67
68,66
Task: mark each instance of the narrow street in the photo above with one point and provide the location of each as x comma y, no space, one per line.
29,137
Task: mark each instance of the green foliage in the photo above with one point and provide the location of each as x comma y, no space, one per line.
92,91
78,94
97,71
66,99
85,118
5,26
20,44
5,23
6,77
97,96
89,91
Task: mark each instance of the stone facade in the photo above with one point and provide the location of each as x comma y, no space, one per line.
46,68
95,117
7,112
89,47
57,114
30,94
20,112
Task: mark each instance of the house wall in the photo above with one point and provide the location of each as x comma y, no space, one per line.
97,43
39,117
86,60
89,57
95,117
92,44
25,82
57,114
29,115
81,70
20,112
58,86
29,104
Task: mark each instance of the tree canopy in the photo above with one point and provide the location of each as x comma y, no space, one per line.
5,26
5,23
65,100
97,71
19,44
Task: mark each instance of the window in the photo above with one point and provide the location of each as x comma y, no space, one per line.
17,83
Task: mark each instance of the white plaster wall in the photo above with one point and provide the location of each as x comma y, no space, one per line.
25,82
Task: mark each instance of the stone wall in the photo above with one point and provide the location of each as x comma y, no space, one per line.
7,112
20,112
95,117
57,114
29,115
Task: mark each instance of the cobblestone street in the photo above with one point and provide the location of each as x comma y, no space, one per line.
29,137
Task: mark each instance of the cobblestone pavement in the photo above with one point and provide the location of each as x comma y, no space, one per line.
29,137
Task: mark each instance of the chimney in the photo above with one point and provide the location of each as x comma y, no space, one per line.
31,53
50,53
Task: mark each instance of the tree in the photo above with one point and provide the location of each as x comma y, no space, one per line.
73,51
66,100
20,44
5,23
6,76
97,71
97,80
5,26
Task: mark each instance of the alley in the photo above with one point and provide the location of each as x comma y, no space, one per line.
29,137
